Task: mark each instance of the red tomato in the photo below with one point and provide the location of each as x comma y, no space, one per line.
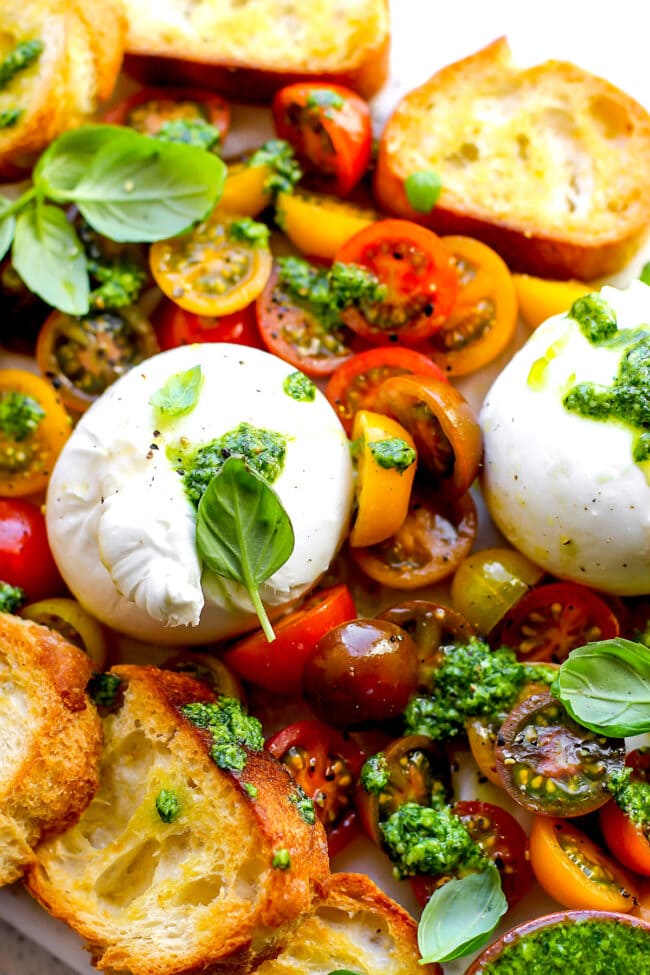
278,666
25,557
420,278
175,326
626,841
550,621
330,130
148,109
639,761
326,764
352,386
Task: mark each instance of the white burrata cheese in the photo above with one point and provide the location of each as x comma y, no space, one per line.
563,488
120,524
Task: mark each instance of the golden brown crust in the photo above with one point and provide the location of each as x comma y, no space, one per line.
545,164
52,736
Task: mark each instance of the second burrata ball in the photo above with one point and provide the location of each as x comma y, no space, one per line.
567,448
120,514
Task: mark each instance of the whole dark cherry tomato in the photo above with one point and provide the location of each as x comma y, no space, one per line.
25,557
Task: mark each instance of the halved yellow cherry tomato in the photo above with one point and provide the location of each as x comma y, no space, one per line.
540,298
212,270
383,487
72,621
489,583
318,224
33,428
243,191
484,316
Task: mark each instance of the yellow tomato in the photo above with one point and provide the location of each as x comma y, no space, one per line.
539,298
244,191
72,621
317,224
489,583
383,482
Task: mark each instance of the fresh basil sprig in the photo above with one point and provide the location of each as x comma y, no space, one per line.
128,187
605,686
243,532
460,916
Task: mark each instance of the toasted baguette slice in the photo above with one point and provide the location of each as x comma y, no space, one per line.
50,738
547,164
358,928
251,49
83,47
199,893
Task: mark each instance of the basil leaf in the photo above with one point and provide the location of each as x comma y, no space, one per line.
65,162
460,916
605,686
423,189
48,256
243,532
180,394
7,227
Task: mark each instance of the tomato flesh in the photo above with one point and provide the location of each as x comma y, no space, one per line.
26,560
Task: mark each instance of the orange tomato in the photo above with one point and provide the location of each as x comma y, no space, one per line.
626,841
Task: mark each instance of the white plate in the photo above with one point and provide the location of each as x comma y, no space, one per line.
609,40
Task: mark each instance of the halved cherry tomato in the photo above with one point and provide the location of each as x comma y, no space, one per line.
551,765
245,190
330,130
383,489
442,423
210,270
147,110
550,621
33,428
278,666
436,535
317,224
26,560
488,583
639,761
326,764
418,272
629,843
175,326
353,385
576,872
71,620
539,298
83,356
208,669
292,332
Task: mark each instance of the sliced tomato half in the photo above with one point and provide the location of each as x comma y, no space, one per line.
148,109
175,326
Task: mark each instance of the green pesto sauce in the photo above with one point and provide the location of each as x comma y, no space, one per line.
10,117
11,597
375,774
281,860
429,840
20,416
393,453
103,689
168,805
190,132
583,948
22,56
263,450
632,796
279,157
326,292
299,387
249,231
232,730
304,805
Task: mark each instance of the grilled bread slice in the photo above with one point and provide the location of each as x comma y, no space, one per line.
547,164
250,48
50,739
180,865
358,928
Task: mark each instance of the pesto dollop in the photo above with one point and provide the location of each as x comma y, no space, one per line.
190,132
326,292
103,689
279,157
430,840
20,416
11,597
375,774
299,387
168,805
393,454
20,58
633,797
232,730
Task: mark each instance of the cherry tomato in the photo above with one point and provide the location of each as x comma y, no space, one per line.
83,356
326,764
488,583
442,423
209,670
278,666
550,621
576,872
551,765
150,108
382,492
211,270
360,672
628,842
291,331
25,557
639,761
416,769
418,272
539,299
245,190
33,428
353,385
330,130
436,535
175,327
71,620
319,225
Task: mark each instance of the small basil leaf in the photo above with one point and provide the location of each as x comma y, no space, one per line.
48,256
180,394
423,189
7,227
460,916
65,163
243,532
645,273
605,686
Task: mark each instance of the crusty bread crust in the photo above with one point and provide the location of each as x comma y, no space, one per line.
547,164
249,50
50,739
198,894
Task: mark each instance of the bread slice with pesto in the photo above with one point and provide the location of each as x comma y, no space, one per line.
198,853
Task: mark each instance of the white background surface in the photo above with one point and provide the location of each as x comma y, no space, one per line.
609,39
